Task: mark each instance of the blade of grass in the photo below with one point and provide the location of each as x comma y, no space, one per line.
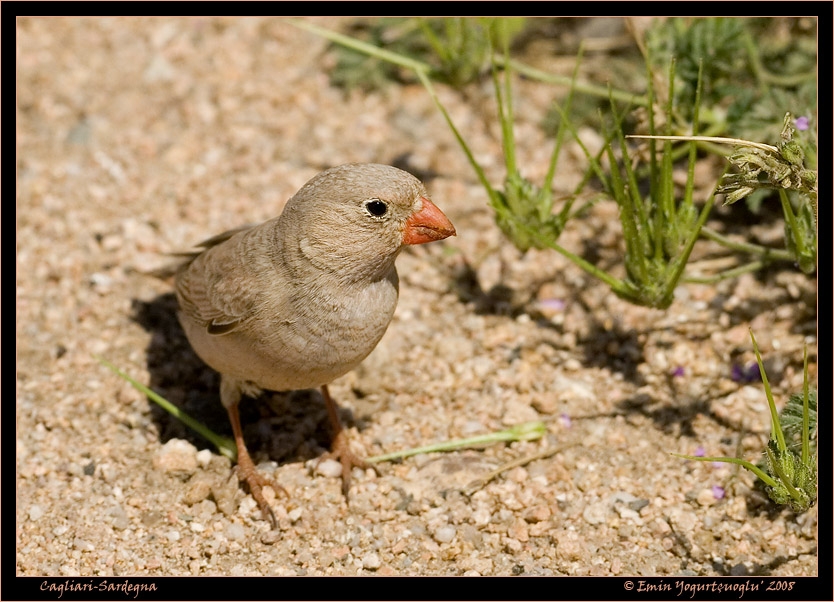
775,427
527,431
766,478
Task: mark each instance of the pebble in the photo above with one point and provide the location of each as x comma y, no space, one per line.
329,468
199,488
120,519
596,513
235,532
706,497
204,458
444,534
537,514
371,561
177,457
35,512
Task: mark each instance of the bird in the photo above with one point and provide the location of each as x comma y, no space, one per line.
302,299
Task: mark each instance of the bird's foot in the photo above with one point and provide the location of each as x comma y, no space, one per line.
340,450
248,473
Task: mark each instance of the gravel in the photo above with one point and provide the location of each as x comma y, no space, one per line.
139,137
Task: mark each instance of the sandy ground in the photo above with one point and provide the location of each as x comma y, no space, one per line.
139,137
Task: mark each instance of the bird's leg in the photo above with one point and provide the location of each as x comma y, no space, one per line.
340,446
246,470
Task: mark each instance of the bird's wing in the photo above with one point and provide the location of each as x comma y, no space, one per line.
211,284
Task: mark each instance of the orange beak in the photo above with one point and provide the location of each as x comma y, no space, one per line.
427,225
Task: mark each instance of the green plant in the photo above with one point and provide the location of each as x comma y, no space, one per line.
773,168
790,470
781,168
747,85
659,228
659,231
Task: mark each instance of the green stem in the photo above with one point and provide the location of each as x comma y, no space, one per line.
359,45
617,286
527,431
766,253
504,99
716,139
581,87
806,427
766,478
790,217
680,261
560,133
775,427
747,268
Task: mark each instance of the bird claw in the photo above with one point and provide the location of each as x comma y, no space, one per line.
340,450
256,481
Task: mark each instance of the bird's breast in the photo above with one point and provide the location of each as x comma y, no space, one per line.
304,340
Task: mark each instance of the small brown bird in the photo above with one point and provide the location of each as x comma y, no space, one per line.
302,299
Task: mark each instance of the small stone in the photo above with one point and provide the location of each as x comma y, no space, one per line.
35,512
445,534
177,458
120,520
329,468
83,545
706,497
371,561
235,532
537,514
387,571
204,458
481,516
596,513
199,489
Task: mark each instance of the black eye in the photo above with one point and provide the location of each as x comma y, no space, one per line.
376,207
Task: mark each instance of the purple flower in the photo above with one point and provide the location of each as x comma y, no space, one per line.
679,371
700,452
552,304
801,123
750,374
565,420
718,492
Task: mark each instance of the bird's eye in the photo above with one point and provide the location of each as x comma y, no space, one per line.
376,208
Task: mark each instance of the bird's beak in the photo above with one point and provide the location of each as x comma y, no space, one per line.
427,225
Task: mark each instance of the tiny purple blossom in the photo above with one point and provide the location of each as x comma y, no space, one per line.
679,371
700,452
565,420
718,492
801,123
742,374
552,304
